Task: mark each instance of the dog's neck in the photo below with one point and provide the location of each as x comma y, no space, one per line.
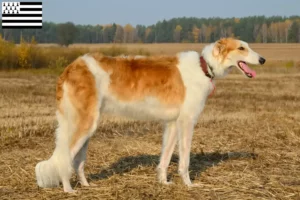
208,71
215,66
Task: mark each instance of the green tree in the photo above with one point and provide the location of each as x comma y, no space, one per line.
141,33
294,32
251,29
66,33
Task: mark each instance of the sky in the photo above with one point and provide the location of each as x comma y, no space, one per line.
151,11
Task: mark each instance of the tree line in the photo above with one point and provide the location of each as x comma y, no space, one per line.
259,29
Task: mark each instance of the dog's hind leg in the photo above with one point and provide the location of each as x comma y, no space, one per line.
85,124
78,163
169,142
185,134
79,143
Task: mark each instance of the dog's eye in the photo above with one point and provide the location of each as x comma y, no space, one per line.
241,48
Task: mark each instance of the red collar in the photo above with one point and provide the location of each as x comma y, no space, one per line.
204,67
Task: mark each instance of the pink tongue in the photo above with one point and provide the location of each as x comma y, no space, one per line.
247,69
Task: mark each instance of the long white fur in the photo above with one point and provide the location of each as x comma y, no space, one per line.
179,123
59,167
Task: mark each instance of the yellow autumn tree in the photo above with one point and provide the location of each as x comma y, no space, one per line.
7,53
208,32
177,33
119,34
237,20
196,34
128,33
27,52
23,54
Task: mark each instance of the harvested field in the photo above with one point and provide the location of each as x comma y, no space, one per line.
246,144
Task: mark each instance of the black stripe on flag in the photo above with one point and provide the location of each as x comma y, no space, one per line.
30,9
22,15
21,27
30,3
22,21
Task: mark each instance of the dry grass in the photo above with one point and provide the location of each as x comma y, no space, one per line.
246,144
30,55
277,55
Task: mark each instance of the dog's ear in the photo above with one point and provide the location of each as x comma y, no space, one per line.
219,47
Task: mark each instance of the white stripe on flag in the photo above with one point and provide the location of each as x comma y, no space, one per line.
30,12
22,18
22,24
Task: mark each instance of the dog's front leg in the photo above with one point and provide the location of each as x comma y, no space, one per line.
185,134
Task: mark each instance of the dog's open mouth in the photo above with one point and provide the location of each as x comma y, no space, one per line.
246,69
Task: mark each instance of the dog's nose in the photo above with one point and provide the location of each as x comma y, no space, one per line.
262,60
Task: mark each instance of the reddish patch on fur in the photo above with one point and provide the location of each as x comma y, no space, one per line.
133,79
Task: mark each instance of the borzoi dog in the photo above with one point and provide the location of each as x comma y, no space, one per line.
170,89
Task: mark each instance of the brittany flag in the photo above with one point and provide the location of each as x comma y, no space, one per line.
22,15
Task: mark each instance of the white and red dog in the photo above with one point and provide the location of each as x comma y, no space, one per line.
171,89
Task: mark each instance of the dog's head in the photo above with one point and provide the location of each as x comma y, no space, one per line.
231,52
